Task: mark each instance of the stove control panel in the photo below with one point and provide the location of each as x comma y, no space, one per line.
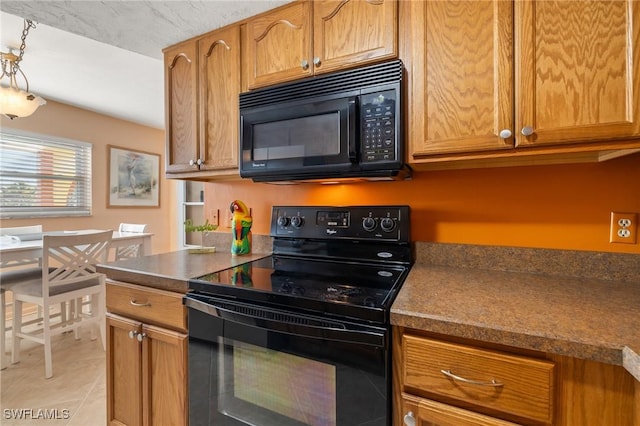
382,223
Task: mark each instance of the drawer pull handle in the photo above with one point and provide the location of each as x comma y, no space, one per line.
134,303
493,382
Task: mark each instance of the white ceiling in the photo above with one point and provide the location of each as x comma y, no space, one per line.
106,56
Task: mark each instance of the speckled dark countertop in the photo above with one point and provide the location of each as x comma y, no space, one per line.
172,271
580,304
559,302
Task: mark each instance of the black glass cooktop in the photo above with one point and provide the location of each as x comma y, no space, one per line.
335,288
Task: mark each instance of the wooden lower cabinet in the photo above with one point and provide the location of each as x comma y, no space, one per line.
425,412
146,357
536,388
594,394
146,374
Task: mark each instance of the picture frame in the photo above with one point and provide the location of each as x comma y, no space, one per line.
133,178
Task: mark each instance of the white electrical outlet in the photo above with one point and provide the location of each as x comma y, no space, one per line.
623,228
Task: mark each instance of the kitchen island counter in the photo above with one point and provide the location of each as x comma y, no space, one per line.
583,317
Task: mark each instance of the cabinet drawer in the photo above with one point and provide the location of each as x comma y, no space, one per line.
512,384
427,412
145,304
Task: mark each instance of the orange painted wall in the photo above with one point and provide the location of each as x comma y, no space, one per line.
65,121
558,206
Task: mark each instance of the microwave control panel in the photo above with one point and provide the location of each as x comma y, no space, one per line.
378,118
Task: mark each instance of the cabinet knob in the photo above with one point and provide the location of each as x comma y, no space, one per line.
527,130
199,162
140,336
304,64
409,420
132,334
505,133
316,61
192,163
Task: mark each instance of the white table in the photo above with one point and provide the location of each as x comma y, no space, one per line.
26,252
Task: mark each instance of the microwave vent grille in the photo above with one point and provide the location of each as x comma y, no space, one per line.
373,75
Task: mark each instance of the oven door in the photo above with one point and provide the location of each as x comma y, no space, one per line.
251,365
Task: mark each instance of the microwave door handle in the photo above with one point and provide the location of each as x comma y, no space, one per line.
353,150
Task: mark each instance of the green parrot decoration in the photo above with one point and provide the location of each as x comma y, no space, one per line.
240,228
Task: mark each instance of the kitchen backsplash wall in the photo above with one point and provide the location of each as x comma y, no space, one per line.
557,207
566,263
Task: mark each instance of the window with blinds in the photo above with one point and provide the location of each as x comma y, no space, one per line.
43,176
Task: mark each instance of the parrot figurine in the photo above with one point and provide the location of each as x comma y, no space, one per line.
240,228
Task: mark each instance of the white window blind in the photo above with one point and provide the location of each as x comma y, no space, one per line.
43,176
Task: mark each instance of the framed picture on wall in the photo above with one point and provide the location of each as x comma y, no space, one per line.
133,178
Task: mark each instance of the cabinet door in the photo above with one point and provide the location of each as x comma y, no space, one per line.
353,32
459,60
578,70
424,412
219,61
164,377
276,45
124,372
181,96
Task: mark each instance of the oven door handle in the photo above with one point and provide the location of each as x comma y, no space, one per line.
287,322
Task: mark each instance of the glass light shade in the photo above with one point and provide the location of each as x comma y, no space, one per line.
18,103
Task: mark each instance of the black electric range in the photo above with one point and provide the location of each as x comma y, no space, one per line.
301,337
342,262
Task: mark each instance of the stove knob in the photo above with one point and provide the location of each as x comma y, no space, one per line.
387,224
283,221
369,224
297,221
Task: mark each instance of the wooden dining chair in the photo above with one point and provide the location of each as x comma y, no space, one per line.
68,274
134,249
9,278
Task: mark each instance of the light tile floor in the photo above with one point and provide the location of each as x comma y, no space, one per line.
74,396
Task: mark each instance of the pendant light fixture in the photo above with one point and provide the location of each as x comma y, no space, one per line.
15,102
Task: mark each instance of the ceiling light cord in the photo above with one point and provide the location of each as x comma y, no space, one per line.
28,24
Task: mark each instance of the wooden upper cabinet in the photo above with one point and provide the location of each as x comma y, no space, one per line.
310,37
181,97
202,78
219,62
551,77
459,56
349,33
578,70
276,45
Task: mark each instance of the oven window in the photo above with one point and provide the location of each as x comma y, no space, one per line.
249,375
313,136
268,387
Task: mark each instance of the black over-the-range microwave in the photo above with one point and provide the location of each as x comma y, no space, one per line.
347,124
